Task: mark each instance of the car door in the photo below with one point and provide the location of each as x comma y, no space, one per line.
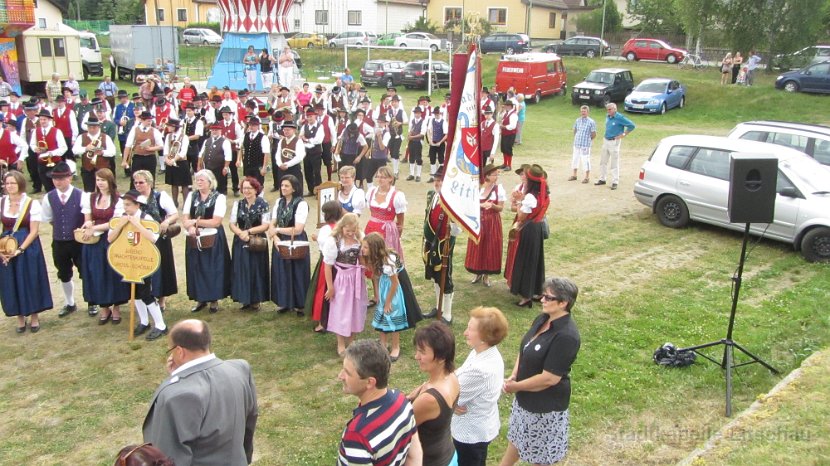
786,212
815,78
704,185
569,47
673,99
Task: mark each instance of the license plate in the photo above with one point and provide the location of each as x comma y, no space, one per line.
586,97
638,106
408,75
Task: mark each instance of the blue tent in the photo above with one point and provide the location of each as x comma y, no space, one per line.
228,69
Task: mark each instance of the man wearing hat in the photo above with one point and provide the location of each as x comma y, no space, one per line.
290,152
312,136
337,100
436,251
397,118
26,127
95,150
5,113
486,101
64,119
361,96
508,125
194,128
233,133
62,208
122,113
162,112
49,146
143,143
415,139
490,135
255,147
284,101
319,98
177,174
99,93
216,157
14,105
213,113
110,90
241,109
445,107
437,130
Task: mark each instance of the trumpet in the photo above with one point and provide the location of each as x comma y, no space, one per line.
122,123
162,124
175,148
43,146
92,155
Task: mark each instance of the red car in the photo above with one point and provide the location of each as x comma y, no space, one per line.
651,49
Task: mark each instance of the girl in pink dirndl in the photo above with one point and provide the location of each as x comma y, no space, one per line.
346,289
387,207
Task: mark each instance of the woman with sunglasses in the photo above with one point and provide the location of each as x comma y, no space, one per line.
538,426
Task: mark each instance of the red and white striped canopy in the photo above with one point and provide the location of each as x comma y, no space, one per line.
255,16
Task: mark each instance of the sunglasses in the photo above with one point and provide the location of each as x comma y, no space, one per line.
550,297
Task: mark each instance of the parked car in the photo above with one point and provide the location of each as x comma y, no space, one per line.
389,39
656,95
354,38
532,74
382,72
580,45
306,40
814,78
416,74
603,86
505,43
651,49
687,178
813,140
801,58
421,39
201,36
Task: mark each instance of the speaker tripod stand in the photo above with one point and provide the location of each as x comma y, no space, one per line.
729,345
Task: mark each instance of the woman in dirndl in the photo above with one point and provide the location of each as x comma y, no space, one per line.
250,218
207,260
525,268
23,270
315,300
539,419
484,259
289,277
345,283
177,173
102,285
161,208
387,206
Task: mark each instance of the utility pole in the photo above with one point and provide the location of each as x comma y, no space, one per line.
602,29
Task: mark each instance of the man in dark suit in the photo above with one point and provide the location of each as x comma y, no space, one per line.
205,413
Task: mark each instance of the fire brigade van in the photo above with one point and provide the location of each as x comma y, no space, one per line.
532,74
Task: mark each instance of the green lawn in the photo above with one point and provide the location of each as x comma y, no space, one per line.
75,393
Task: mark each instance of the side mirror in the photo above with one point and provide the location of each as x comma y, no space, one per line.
789,191
807,72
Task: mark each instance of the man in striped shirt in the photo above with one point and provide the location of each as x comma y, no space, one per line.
382,431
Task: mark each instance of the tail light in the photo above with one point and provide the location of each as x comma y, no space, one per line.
419,73
379,73
642,174
362,71
521,42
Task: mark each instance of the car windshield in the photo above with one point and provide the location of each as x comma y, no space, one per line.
598,77
373,66
810,172
653,87
430,36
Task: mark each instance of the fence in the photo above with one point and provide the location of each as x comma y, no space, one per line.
94,26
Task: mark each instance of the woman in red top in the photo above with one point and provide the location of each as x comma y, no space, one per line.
387,207
186,94
527,263
484,259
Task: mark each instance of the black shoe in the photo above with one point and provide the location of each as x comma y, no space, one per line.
21,329
408,178
92,310
214,308
431,314
283,310
300,312
140,329
198,307
599,183
34,328
155,334
613,186
528,303
67,310
431,179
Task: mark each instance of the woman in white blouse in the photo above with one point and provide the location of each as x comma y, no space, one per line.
475,422
289,277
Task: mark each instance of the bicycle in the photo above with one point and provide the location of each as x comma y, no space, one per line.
691,61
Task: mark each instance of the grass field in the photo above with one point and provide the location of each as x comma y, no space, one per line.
76,392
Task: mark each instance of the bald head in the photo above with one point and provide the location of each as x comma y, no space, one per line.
192,335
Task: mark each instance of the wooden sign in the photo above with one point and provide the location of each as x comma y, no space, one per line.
327,191
131,255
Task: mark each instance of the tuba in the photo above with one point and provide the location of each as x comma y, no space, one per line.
92,155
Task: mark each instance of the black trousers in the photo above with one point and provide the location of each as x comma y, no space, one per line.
506,144
65,255
274,165
34,175
471,454
395,148
415,152
45,181
143,162
312,163
233,172
327,154
254,172
437,153
221,180
88,178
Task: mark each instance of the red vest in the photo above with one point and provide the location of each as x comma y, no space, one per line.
7,149
229,132
487,136
505,121
436,216
162,114
62,122
242,113
51,139
326,129
16,111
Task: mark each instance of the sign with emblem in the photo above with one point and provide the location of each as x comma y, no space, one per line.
327,191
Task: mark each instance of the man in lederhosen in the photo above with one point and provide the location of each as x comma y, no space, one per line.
397,118
64,119
194,128
436,225
415,142
26,127
255,146
329,137
290,152
143,144
274,135
49,145
95,150
216,157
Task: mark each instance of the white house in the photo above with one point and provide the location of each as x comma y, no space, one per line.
335,16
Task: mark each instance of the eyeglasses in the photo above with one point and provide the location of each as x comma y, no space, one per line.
171,349
550,297
139,182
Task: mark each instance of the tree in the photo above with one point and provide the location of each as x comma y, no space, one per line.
129,12
655,16
696,16
421,25
591,23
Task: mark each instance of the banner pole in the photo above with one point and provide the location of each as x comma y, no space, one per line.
132,311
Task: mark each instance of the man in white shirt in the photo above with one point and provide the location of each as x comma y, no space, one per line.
290,152
95,149
216,157
49,144
312,135
143,144
256,151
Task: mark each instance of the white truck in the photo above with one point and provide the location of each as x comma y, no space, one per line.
90,55
41,52
136,49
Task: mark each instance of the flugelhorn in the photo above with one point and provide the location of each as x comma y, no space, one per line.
175,148
122,123
43,146
92,155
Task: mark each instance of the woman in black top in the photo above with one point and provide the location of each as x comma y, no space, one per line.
538,427
434,401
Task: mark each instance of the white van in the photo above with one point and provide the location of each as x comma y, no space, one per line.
813,140
201,36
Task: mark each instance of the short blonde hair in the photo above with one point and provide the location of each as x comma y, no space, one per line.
347,170
148,177
207,174
492,325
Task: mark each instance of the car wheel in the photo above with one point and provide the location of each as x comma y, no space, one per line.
682,102
332,45
509,50
663,109
204,42
815,247
672,212
402,45
86,73
389,82
562,90
791,86
630,56
590,54
671,59
358,44
434,48
310,45
537,97
606,99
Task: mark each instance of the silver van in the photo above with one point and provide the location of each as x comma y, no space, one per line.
201,36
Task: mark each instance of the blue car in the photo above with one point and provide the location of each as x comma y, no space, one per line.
814,78
656,95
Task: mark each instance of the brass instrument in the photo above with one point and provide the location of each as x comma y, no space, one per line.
122,123
43,146
162,124
92,155
175,147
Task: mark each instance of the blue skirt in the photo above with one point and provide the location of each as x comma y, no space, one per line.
396,320
164,281
102,284
250,284
208,270
289,278
24,283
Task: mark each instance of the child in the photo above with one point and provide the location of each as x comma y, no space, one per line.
345,289
332,212
396,308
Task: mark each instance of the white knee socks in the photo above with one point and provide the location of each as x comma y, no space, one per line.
68,292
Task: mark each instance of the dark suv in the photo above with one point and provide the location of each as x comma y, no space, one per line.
580,45
603,86
382,72
505,43
416,74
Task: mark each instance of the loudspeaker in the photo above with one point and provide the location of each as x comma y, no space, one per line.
752,183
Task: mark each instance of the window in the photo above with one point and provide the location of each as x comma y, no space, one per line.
552,21
41,23
296,24
755,136
452,13
321,16
497,16
795,141
679,156
45,47
355,18
159,15
711,162
821,152
181,14
59,47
